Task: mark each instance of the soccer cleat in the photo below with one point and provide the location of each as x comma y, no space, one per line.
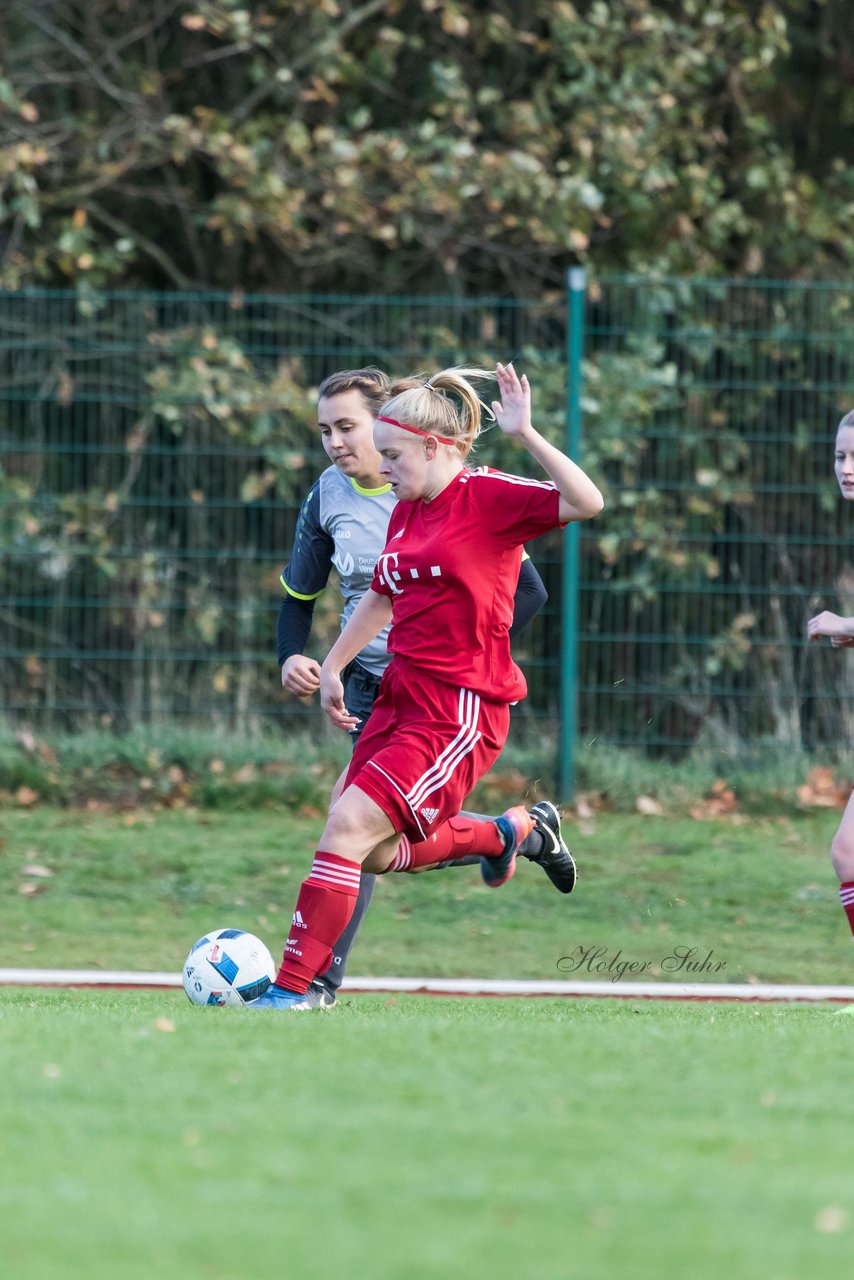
278,998
320,996
553,855
515,825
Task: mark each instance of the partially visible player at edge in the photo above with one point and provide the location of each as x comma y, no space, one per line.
841,633
343,522
445,581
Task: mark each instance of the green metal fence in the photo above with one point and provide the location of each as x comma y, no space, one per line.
155,447
710,408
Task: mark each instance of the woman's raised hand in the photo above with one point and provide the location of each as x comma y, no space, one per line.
513,411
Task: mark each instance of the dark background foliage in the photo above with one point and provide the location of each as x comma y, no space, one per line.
422,146
194,175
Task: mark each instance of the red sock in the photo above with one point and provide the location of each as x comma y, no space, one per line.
846,897
324,907
457,838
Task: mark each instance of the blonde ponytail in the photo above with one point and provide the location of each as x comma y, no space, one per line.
445,403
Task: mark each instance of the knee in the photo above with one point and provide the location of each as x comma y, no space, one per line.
350,831
341,824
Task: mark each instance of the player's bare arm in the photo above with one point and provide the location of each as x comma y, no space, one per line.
580,499
372,613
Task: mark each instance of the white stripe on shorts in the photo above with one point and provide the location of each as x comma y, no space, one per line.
439,773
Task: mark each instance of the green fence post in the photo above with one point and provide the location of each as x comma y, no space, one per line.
575,285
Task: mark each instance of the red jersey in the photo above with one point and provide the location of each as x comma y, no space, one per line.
450,568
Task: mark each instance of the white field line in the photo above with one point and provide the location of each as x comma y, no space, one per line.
722,991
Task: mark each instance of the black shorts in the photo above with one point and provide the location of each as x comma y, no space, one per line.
360,691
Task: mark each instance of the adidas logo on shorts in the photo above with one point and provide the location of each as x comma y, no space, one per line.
429,814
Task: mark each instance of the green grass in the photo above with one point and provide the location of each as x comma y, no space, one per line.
134,890
414,1138
417,1139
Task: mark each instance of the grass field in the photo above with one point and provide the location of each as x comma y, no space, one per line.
133,891
408,1138
419,1138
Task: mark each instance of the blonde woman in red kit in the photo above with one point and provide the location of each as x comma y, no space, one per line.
445,582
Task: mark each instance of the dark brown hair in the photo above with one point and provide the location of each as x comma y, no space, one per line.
373,385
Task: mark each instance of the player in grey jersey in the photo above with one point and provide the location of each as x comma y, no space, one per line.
342,524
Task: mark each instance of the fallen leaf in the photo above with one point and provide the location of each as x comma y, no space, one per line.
648,807
831,1219
589,803
718,802
821,790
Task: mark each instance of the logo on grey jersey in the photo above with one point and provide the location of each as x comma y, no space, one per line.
344,563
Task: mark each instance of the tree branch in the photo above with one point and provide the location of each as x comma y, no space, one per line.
321,50
166,264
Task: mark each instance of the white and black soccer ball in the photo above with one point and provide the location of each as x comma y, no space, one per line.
228,966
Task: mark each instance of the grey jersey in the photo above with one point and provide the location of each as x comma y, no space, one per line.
343,526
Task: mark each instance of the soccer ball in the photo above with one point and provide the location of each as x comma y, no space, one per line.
228,966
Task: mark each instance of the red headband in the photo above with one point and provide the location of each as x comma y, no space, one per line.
416,431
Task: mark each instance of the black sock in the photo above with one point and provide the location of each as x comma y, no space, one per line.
532,846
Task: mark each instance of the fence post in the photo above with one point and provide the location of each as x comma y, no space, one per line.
576,282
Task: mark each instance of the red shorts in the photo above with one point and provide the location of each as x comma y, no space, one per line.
424,747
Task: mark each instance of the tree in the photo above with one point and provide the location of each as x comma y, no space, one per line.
442,145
